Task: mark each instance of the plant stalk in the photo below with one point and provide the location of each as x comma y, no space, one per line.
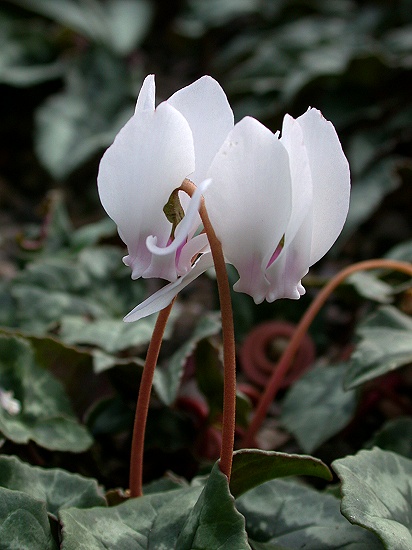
143,400
229,353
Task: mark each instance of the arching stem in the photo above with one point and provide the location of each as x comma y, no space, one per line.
229,356
294,343
143,400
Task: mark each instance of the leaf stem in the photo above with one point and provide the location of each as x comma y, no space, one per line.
294,343
229,355
143,400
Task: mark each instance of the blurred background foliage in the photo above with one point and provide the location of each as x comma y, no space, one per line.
70,72
71,69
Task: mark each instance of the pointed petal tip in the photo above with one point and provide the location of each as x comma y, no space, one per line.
147,94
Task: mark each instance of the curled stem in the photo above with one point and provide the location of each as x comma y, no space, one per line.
143,400
229,356
294,343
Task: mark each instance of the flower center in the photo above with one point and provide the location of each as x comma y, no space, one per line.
174,212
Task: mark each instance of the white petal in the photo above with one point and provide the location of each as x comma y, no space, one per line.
330,178
249,203
205,106
150,157
196,245
292,264
162,298
301,178
184,227
147,95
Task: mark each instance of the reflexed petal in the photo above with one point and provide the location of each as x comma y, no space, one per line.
195,245
292,264
249,204
301,178
150,157
162,298
205,106
184,227
331,181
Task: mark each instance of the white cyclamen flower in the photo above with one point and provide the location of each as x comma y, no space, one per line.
277,204
150,157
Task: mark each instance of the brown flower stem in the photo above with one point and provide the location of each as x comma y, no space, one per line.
142,407
229,357
287,357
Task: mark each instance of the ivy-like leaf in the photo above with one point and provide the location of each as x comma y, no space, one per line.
168,377
76,123
128,526
370,287
385,345
377,494
214,521
287,515
317,407
396,436
24,522
111,335
252,467
46,416
57,488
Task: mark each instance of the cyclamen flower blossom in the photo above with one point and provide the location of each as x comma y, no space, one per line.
277,203
150,157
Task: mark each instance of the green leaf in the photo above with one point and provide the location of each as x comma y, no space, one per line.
57,488
168,377
396,436
214,521
129,22
370,287
128,526
171,518
377,494
111,335
90,235
27,52
118,24
73,125
209,377
46,416
252,467
23,522
370,190
317,407
402,252
289,515
385,345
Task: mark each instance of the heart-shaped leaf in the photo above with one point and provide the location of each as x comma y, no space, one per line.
55,487
377,494
167,378
214,521
252,467
386,344
45,414
317,407
24,522
290,516
129,526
